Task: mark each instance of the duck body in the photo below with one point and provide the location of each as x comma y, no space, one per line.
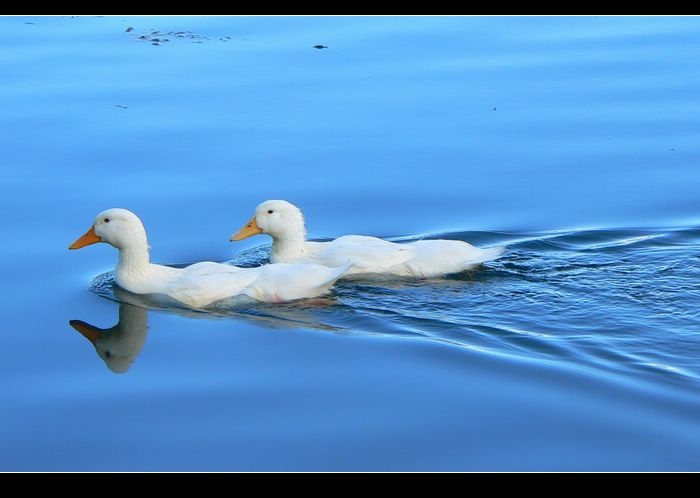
204,283
201,284
370,256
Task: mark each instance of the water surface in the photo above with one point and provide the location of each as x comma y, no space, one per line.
571,140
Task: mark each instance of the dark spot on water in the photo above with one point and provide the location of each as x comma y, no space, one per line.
129,29
120,106
494,109
28,23
156,37
319,46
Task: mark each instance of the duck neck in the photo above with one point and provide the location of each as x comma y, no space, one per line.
288,248
132,266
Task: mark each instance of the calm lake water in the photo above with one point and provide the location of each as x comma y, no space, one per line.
574,141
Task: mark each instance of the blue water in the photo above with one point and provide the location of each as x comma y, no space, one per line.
571,140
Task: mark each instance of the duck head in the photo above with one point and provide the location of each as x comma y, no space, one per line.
118,227
277,218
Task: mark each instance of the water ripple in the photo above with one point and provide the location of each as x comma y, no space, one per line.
621,300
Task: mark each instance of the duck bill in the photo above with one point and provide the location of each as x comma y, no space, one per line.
90,332
251,228
89,238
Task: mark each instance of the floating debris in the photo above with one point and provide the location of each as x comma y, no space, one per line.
158,37
187,34
129,29
319,46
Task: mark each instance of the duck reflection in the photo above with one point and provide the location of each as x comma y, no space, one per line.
118,346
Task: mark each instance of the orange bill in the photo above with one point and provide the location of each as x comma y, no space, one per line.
90,332
89,238
251,228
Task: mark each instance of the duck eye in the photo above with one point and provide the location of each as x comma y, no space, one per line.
106,220
270,211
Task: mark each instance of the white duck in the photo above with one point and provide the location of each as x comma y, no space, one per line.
203,283
284,222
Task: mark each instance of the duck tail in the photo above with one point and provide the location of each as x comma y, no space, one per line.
343,269
489,254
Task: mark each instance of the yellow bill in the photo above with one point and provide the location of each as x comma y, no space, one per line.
251,228
89,238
